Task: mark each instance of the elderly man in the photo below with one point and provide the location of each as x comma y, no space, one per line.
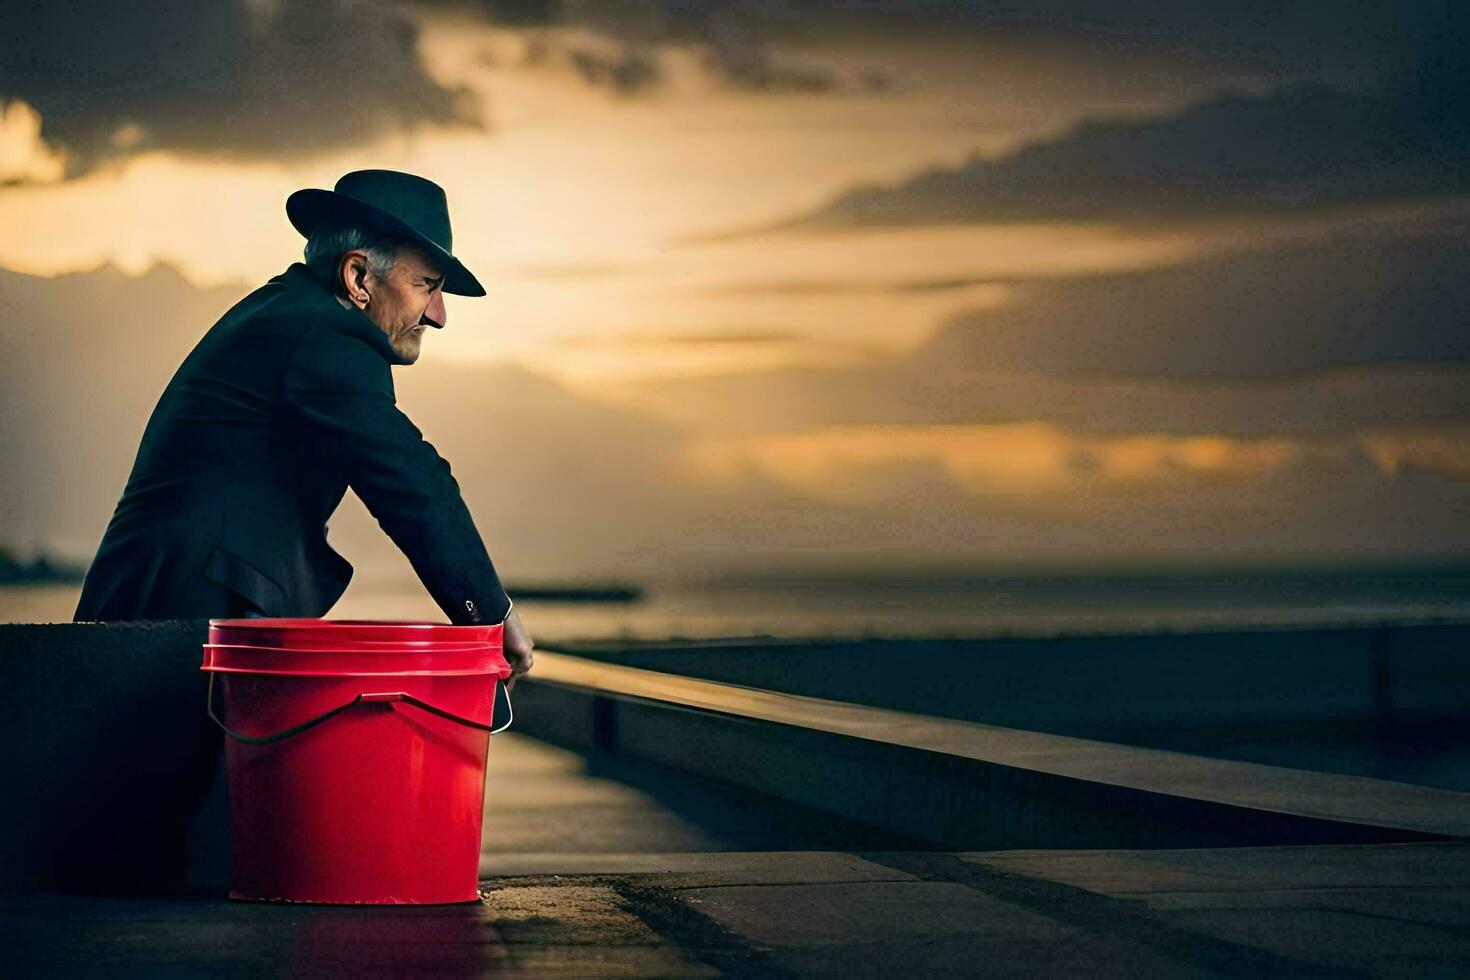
286,402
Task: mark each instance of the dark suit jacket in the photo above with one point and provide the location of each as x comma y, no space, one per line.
285,402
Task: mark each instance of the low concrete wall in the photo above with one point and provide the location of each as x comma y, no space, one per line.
950,801
107,750
1107,686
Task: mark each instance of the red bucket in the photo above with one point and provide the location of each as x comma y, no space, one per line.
356,756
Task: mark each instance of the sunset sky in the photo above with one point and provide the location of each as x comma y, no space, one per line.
805,284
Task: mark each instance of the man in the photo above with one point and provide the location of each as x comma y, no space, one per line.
286,402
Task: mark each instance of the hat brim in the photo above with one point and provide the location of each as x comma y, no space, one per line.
308,206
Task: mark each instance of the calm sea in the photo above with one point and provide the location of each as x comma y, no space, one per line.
920,605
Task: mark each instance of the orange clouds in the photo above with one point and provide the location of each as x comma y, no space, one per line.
1041,466
24,156
1444,451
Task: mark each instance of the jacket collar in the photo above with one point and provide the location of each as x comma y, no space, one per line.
298,276
299,279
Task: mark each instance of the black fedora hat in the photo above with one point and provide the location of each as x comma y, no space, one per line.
394,201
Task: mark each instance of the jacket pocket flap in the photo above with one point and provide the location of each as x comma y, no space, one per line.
244,579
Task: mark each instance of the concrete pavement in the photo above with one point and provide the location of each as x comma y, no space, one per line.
642,873
1364,910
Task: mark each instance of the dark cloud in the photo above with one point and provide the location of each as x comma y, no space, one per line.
736,50
1348,41
1345,41
522,13
904,392
270,78
261,78
1368,327
627,72
1299,38
1367,295
1307,146
733,42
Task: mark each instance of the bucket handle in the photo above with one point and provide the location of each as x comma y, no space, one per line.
380,698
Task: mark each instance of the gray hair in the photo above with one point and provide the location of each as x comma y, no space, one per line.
331,240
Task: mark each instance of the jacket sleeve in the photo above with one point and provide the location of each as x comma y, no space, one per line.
340,390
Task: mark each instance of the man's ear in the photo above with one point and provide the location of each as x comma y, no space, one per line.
354,274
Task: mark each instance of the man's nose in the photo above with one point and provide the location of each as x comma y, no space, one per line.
435,315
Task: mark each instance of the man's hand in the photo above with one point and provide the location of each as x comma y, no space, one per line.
517,645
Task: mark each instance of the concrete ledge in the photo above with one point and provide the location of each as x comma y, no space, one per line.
1111,687
107,749
965,785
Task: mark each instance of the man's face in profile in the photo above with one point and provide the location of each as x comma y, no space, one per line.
407,300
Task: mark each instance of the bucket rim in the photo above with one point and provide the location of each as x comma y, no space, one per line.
310,624
348,658
415,647
494,673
